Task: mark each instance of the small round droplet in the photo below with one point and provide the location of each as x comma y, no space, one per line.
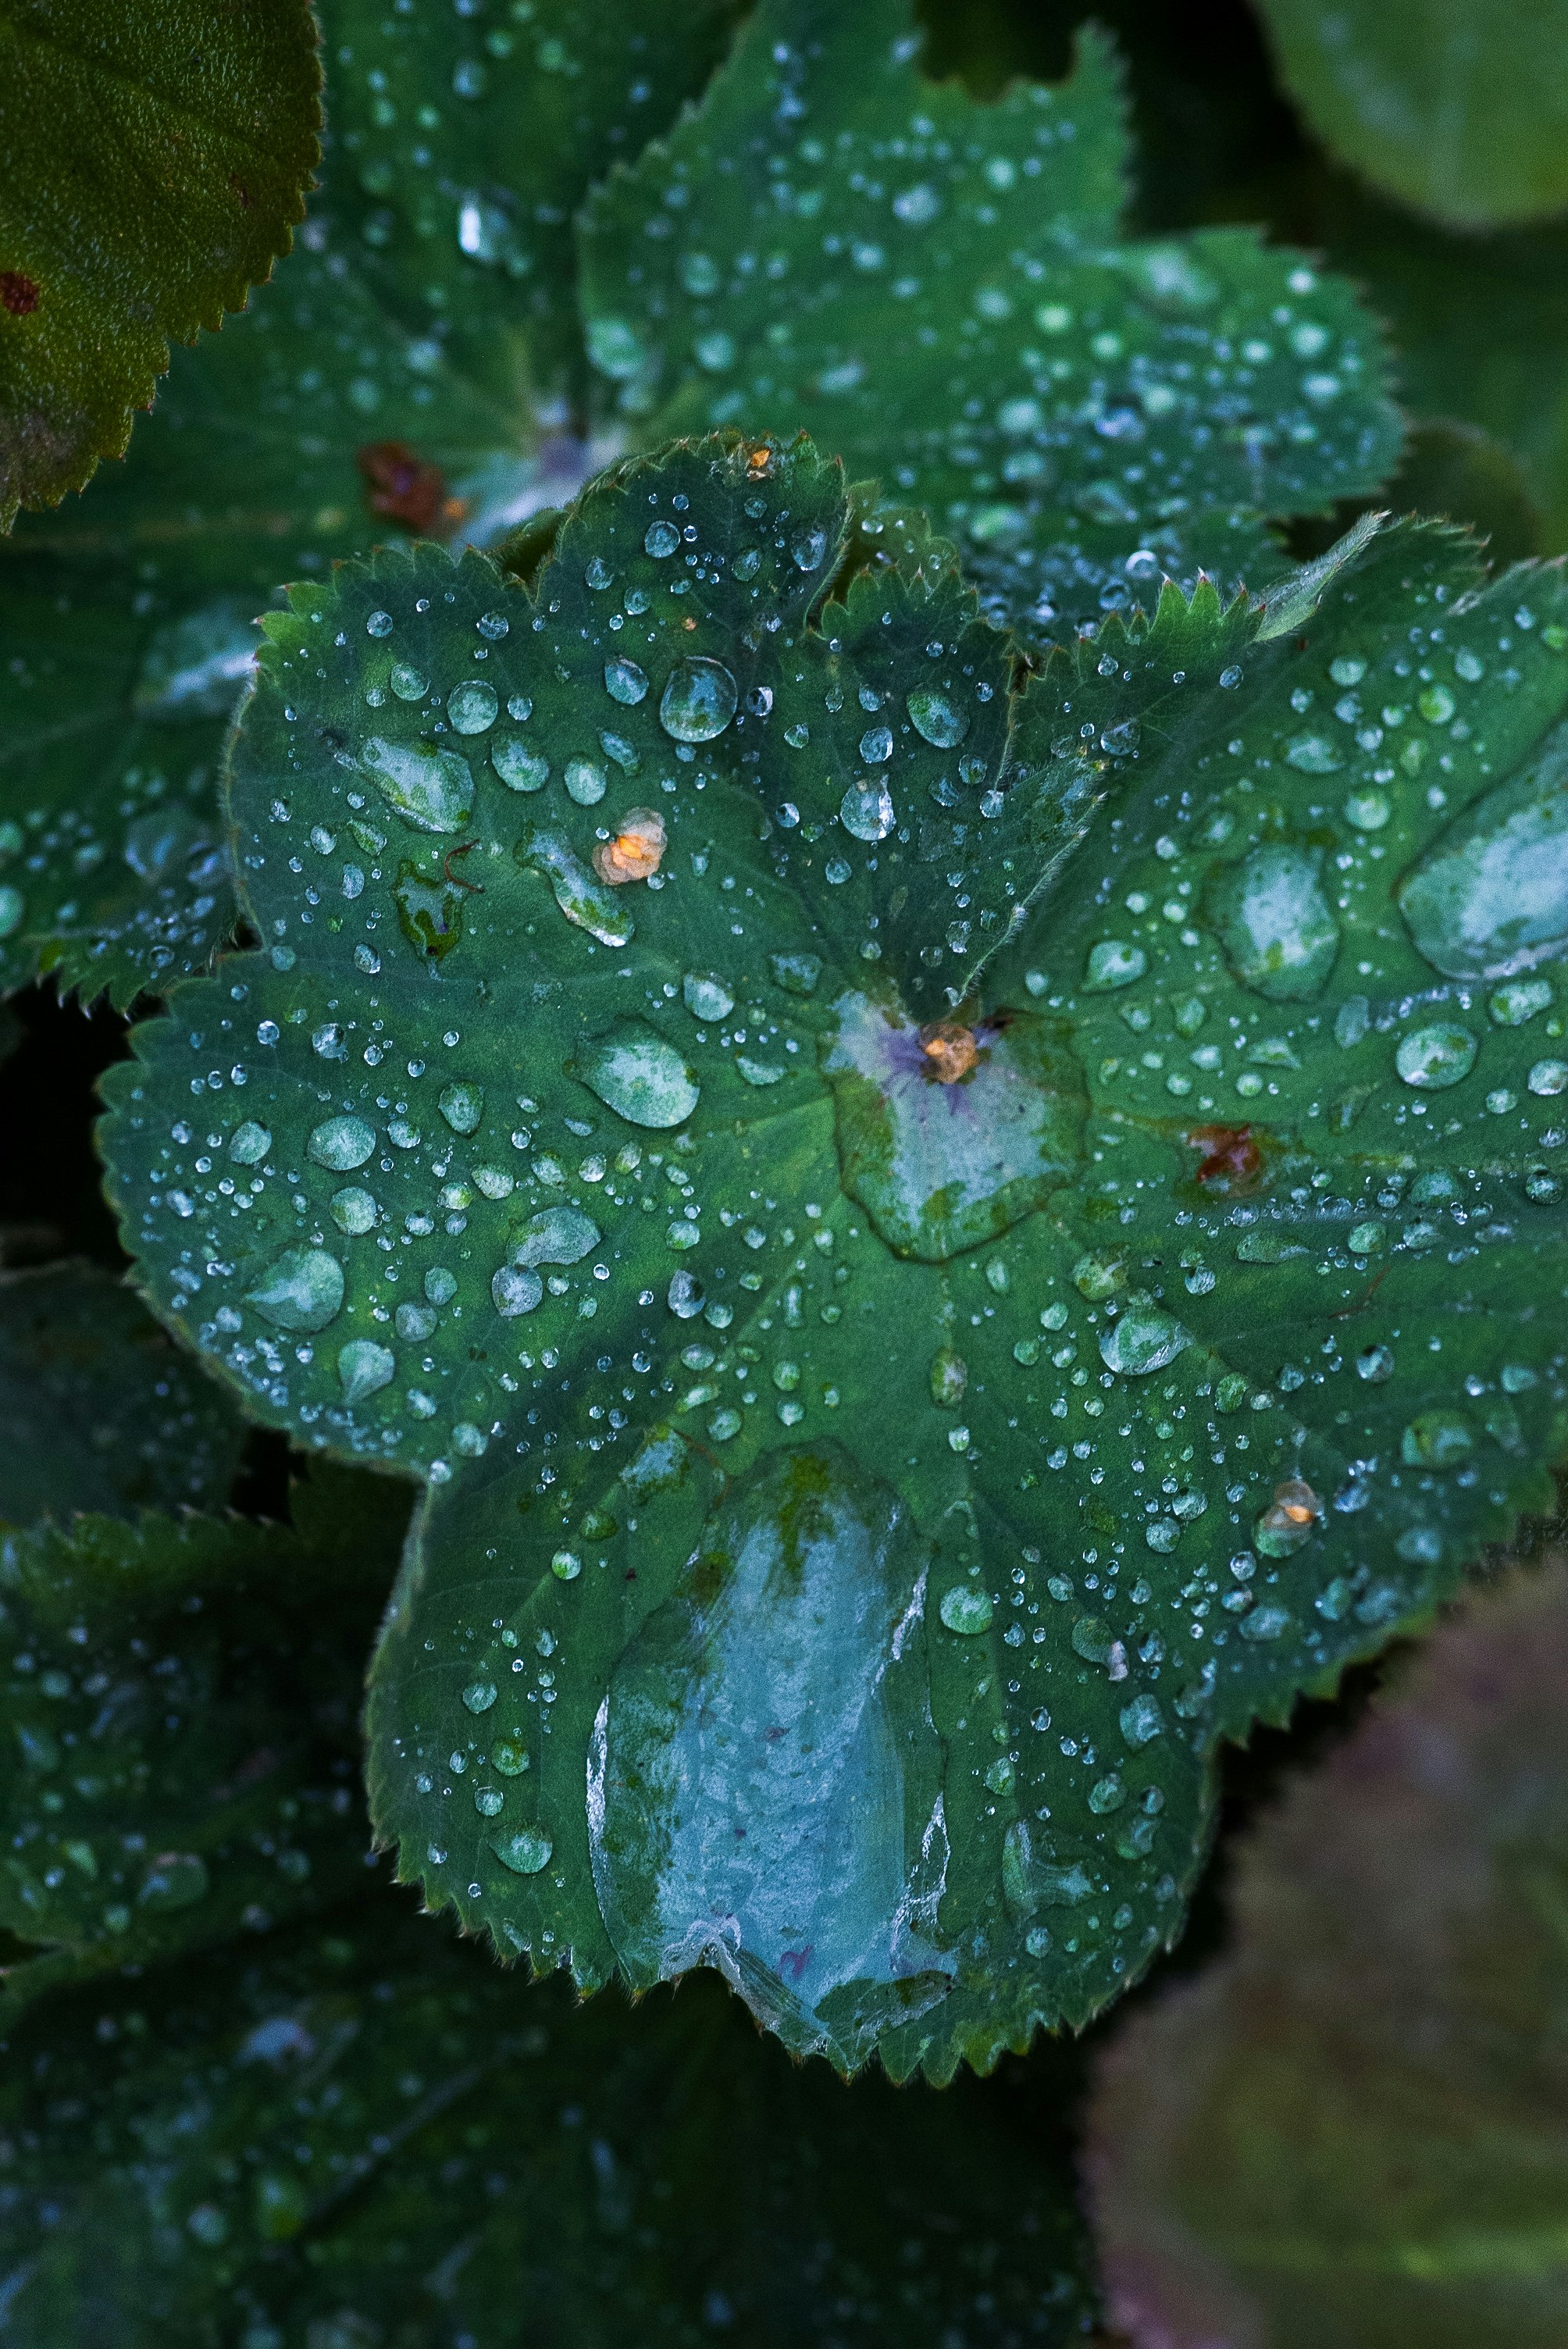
479,1695
705,996
966,1608
472,707
586,782
380,624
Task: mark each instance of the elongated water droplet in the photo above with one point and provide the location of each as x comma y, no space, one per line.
588,903
1490,898
431,790
639,1074
936,717
1278,930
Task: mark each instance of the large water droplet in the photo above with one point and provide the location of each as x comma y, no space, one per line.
623,681
638,1074
699,699
514,1290
1490,897
463,1105
556,1236
526,1852
519,769
1277,927
175,1879
1141,1339
705,996
1113,963
363,1368
341,1144
936,717
300,1290
432,789
591,903
867,811
966,1608
1436,1056
661,538
353,1210
249,1143
472,705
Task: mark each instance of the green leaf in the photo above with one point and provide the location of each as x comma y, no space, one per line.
1350,2129
128,616
1456,109
100,1411
180,1714
358,2132
467,149
939,291
967,1347
154,163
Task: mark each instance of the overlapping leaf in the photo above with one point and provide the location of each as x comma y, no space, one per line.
179,1712
100,1411
1351,2129
903,1362
939,291
358,2133
152,164
468,145
1456,108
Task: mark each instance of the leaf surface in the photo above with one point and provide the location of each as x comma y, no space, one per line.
939,290
1456,109
1017,1246
180,1702
154,162
467,146
101,1413
1350,2129
357,2131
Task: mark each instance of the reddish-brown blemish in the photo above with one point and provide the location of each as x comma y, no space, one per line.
1229,1153
18,293
240,189
634,853
950,1049
405,489
456,878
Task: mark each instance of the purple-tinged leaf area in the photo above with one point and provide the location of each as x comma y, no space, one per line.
1349,2130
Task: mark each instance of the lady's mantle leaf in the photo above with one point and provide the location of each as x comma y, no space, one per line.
359,2133
1453,106
154,162
1352,2130
895,1385
938,290
179,1702
100,1411
467,144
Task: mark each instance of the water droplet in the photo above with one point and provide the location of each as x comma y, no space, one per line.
519,769
1143,1339
380,624
623,681
936,718
1436,1056
175,1879
1313,754
1375,1363
795,973
488,1801
876,745
431,790
479,1695
409,683
354,1210
1368,809
341,1144
1548,1078
966,1608
661,538
808,548
1512,1006
699,699
510,1758
586,782
585,900
866,811
949,1379
250,1143
1113,963
639,1074
195,666
302,1289
363,1368
566,1565
556,1236
526,1852
1277,928
463,1105
1437,1439
1490,898
705,996
12,907
472,705
514,1290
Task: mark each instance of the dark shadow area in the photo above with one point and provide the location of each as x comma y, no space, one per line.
51,1184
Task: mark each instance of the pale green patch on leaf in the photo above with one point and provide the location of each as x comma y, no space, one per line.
101,1413
179,1716
155,164
357,2131
1350,2128
1075,1197
1456,108
940,292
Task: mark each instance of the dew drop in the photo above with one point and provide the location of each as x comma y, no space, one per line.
363,1368
699,699
301,1290
472,705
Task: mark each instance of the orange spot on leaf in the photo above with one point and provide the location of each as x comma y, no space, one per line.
635,851
950,1049
405,489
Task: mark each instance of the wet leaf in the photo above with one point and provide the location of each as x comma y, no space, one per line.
100,1411
155,164
359,2132
178,1710
462,217
1350,2128
1456,109
129,618
1019,1244
939,290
